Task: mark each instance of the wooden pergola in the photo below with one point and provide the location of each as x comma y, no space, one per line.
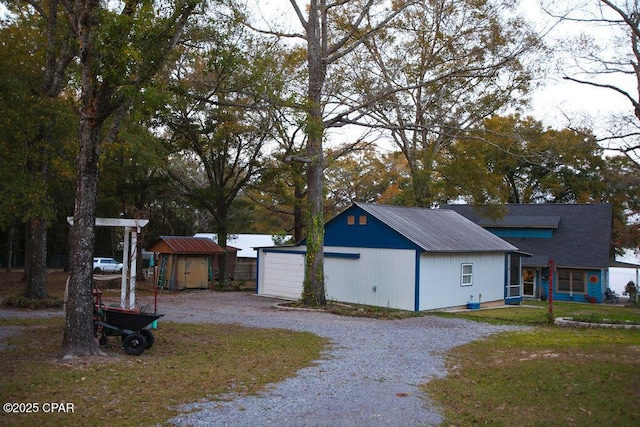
130,253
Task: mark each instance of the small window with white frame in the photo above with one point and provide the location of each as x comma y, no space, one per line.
466,277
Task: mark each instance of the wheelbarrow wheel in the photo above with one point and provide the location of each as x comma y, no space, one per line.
134,344
148,335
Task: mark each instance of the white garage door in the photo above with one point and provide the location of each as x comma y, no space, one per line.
283,275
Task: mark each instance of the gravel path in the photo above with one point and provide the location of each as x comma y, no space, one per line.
368,377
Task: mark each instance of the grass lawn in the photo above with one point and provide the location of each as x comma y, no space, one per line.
548,376
187,363
537,313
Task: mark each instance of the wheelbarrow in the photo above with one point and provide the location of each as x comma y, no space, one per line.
131,325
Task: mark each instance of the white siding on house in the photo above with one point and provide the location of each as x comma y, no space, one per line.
281,274
390,271
440,278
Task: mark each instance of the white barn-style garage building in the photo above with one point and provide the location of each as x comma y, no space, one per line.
398,257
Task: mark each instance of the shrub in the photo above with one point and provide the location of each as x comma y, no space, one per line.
20,301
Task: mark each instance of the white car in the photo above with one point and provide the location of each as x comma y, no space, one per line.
106,265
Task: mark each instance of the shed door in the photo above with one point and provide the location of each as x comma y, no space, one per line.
192,272
283,275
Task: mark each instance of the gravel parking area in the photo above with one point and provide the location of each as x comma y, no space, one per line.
368,377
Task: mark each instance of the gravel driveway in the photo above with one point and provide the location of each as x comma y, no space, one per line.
369,376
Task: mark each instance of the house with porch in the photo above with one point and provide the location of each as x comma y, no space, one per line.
570,243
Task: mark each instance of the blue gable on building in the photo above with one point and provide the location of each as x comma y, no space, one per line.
355,227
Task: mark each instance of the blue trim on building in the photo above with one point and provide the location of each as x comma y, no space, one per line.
285,251
505,284
522,232
326,254
341,255
257,272
416,305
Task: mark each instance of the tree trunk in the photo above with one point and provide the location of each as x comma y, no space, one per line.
79,339
298,222
222,263
36,266
313,292
422,177
27,253
10,234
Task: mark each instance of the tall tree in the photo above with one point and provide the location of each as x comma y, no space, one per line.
37,49
122,46
514,160
442,67
330,31
220,119
353,32
606,55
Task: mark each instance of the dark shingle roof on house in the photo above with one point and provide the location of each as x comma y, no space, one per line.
581,239
437,230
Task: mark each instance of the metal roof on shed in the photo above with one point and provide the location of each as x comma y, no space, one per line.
437,230
187,245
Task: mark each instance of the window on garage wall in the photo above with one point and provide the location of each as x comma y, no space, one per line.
466,276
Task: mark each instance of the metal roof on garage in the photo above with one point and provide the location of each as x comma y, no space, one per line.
437,230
